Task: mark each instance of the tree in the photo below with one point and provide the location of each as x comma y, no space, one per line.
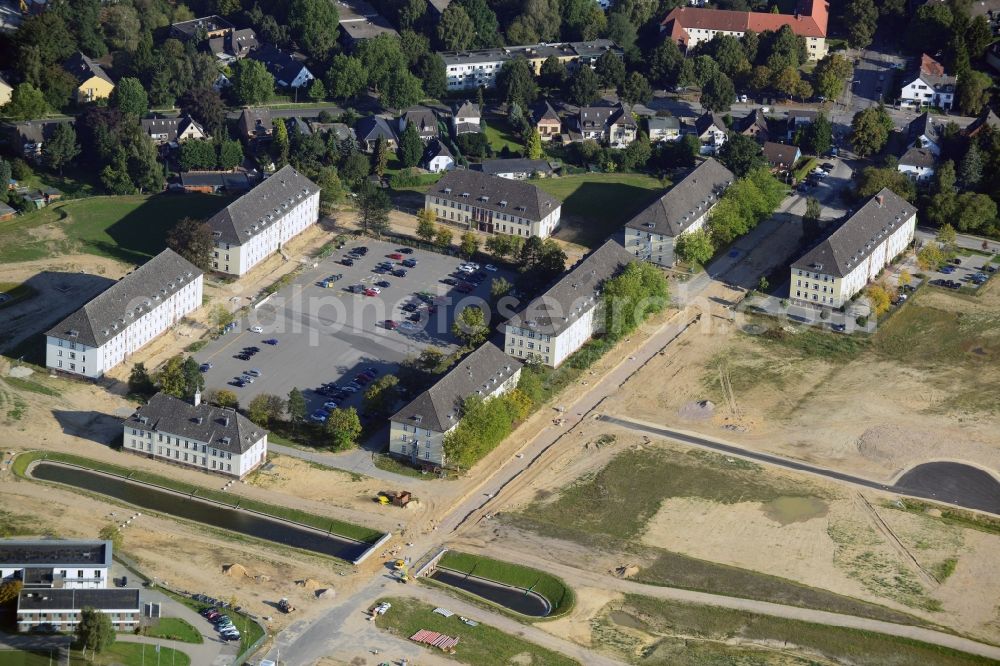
973,92
553,73
637,153
355,168
946,236
347,77
314,26
516,82
904,278
976,212
636,89
221,316
139,381
95,631
331,191
831,74
610,70
251,82
197,154
442,237
380,157
533,145
665,64
230,154
10,590
583,87
411,148
26,103
930,257
878,299
280,143
870,130
381,395
639,290
192,239
469,245
498,245
872,180
61,148
317,90
971,170
343,428
978,36
430,70
499,287
129,96
455,30
401,89
296,406
817,136
485,21
695,247
425,224
264,408
206,106
861,19
373,209
470,326
6,171
381,56
718,93
112,533
194,380
223,398
741,154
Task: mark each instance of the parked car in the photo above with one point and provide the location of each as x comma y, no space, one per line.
329,404
451,282
399,272
409,263
271,341
361,249
490,267
956,261
391,324
405,250
827,166
362,379
319,416
205,367
255,372
383,283
256,329
395,256
347,261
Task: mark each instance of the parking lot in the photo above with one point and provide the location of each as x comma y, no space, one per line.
970,272
319,335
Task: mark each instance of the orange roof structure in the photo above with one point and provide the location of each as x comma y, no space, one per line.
809,20
930,66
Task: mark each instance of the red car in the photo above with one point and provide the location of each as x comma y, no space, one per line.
395,255
370,292
391,325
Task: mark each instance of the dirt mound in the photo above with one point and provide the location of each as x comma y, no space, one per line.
700,410
326,593
235,570
309,584
626,570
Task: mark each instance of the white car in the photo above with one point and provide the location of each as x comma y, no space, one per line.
329,404
473,265
381,608
491,268
257,329
377,290
743,99
319,416
466,268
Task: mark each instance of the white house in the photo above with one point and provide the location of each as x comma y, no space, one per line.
466,119
918,164
70,564
834,271
172,130
923,133
927,84
468,70
62,609
417,431
127,315
257,224
493,205
560,321
684,208
196,434
664,128
288,69
711,131
437,157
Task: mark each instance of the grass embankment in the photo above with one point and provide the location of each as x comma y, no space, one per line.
806,164
119,654
688,634
174,629
596,205
626,494
129,228
481,646
559,595
338,527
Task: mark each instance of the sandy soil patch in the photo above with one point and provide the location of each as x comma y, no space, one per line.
576,626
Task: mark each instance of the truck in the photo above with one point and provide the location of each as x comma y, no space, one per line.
285,607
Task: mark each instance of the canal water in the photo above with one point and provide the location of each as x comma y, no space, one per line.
516,599
173,504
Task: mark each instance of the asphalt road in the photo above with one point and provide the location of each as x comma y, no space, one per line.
947,482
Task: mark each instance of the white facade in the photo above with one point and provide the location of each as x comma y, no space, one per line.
67,355
77,577
919,93
916,172
239,259
659,248
195,453
552,350
440,163
464,212
711,140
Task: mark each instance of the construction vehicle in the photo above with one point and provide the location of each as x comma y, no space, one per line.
396,498
285,607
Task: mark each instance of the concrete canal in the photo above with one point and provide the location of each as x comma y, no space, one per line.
519,600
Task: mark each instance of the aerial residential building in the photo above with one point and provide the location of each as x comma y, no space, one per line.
798,119
652,234
196,434
754,125
711,131
5,91
841,266
690,26
123,318
6,212
260,222
68,564
923,133
560,321
29,136
516,168
781,156
205,27
437,157
468,70
493,205
359,21
423,119
92,82
62,609
927,84
466,119
287,68
437,7
663,128
612,125
546,120
255,124
172,130
370,129
418,430
918,164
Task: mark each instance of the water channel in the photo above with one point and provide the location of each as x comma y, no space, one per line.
184,506
516,599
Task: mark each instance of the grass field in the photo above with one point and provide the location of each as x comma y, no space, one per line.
596,205
559,595
120,654
324,523
175,629
129,228
250,631
500,135
480,646
687,634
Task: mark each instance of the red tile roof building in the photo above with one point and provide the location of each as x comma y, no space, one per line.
689,26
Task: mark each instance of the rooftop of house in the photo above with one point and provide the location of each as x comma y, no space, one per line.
251,119
112,311
780,153
500,195
754,120
223,179
262,206
83,68
986,119
283,65
222,428
685,202
592,49
423,119
542,112
107,599
358,26
205,24
708,120
598,117
663,123
371,128
515,165
931,72
35,553
171,127
575,293
436,148
36,131
855,239
466,109
809,20
480,373
920,158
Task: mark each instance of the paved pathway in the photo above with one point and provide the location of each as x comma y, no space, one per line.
358,461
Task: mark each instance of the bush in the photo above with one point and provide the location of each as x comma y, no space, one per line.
862,321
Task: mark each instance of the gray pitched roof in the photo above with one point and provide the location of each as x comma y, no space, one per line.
663,123
479,373
436,148
920,126
83,68
544,111
931,72
494,193
76,599
986,119
424,120
467,109
753,120
856,238
252,119
283,65
36,131
779,153
681,205
227,180
190,29
592,118
6,210
370,128
514,165
172,127
28,553
575,292
222,428
708,119
261,207
111,311
589,51
918,157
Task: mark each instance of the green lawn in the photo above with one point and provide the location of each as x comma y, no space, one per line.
596,205
481,646
250,631
175,629
129,228
120,654
501,135
559,595
806,164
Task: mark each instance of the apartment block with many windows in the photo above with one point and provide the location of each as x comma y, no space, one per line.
126,316
468,70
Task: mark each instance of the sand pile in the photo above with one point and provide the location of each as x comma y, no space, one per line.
235,570
309,584
327,593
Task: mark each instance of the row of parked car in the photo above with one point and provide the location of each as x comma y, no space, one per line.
223,624
338,392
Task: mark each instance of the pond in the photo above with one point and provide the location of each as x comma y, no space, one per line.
183,506
516,599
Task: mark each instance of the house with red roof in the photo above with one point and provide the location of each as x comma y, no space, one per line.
689,26
927,84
